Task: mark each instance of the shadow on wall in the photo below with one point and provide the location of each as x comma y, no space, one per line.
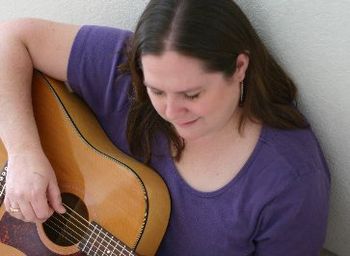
327,253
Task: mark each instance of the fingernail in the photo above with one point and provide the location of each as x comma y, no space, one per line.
63,210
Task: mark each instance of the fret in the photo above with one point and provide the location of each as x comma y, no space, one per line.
99,242
121,252
103,240
2,193
87,241
104,244
2,182
96,240
108,251
115,248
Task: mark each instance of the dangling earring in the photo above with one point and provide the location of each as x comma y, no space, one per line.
242,94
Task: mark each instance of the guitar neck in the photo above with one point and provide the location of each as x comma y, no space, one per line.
3,173
99,240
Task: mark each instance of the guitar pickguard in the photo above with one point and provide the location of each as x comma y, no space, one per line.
24,237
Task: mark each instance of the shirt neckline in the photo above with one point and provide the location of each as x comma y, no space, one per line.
234,180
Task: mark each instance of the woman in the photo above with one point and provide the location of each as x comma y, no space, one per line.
196,95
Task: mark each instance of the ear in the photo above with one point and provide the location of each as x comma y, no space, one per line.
242,63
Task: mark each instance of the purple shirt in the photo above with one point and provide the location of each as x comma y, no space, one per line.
276,205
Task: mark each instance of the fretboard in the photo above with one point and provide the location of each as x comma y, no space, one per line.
2,182
102,243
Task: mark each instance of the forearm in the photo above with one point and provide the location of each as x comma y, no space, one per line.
18,130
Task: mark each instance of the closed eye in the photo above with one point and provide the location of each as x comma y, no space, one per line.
156,92
189,96
192,96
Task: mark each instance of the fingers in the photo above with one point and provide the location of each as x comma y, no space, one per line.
13,209
54,198
27,211
41,209
41,205
31,188
29,200
36,210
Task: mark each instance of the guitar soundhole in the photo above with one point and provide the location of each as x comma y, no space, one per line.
68,229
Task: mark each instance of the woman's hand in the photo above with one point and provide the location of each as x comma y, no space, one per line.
32,193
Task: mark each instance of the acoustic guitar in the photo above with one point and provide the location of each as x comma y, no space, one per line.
115,205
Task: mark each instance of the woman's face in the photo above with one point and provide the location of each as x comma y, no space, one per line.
195,102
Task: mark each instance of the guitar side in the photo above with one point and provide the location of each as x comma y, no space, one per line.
129,199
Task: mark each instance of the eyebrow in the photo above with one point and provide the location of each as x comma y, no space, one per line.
180,92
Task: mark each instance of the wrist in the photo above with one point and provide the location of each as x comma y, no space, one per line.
24,149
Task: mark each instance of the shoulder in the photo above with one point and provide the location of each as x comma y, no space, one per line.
96,53
285,160
98,43
288,177
299,149
106,32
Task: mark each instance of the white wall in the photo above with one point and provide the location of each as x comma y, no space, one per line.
121,13
310,38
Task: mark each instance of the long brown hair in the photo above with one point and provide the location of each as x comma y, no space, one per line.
215,32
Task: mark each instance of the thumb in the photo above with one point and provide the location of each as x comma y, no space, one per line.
54,198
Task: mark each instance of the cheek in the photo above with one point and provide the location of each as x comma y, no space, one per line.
222,105
157,104
203,109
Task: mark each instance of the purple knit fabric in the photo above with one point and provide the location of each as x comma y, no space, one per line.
277,205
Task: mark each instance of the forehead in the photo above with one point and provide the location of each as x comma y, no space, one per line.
174,71
171,61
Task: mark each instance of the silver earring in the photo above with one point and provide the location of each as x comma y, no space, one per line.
242,94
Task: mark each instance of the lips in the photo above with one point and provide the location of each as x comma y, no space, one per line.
187,123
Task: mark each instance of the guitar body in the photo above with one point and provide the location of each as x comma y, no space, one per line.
97,181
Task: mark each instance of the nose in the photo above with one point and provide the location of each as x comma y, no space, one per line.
174,108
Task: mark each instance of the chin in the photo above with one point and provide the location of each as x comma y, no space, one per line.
190,135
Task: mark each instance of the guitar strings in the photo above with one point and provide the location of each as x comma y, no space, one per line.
93,251
2,190
57,216
87,227
61,232
100,248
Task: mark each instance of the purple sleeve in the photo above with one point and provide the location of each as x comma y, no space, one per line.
295,222
92,68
